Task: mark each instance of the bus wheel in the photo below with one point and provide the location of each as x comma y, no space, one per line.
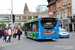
33,37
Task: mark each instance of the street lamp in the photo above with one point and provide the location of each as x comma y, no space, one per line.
12,14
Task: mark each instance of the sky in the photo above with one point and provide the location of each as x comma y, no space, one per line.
18,5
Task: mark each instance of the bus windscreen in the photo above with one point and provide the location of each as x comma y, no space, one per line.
48,22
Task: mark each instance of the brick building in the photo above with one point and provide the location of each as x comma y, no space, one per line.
51,7
63,10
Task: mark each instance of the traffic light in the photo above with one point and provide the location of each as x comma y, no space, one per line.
13,17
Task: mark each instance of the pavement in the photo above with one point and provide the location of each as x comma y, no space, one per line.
71,34
13,42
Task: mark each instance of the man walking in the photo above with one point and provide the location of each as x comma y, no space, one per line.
9,33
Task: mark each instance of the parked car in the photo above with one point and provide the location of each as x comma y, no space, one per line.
63,33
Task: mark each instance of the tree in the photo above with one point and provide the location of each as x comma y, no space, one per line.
2,25
19,25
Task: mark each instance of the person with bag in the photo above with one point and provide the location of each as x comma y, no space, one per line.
5,32
19,33
9,35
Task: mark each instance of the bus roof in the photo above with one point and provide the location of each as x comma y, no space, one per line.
47,17
34,20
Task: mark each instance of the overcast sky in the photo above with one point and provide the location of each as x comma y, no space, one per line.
18,5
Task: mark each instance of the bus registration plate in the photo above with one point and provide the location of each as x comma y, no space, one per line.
48,37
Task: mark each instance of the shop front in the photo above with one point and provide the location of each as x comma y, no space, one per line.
64,24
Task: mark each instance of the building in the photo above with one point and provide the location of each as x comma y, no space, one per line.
62,10
41,8
26,10
51,8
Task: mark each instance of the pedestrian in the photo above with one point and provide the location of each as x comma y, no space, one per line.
67,29
9,35
19,33
15,33
0,32
5,32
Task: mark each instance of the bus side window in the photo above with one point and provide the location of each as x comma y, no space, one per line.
35,26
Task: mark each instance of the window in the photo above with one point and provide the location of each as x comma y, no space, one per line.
35,17
64,2
58,4
59,14
0,18
64,13
54,14
54,6
69,11
31,26
6,18
49,7
24,17
18,18
10,18
48,22
29,17
69,1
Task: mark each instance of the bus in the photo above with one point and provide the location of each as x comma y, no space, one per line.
42,28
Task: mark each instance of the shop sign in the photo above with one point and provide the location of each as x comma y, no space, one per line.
60,22
65,22
51,13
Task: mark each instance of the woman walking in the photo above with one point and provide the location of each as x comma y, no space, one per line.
5,32
15,33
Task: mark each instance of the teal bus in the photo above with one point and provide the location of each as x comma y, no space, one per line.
42,28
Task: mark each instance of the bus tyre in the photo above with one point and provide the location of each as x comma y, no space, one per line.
33,37
67,37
